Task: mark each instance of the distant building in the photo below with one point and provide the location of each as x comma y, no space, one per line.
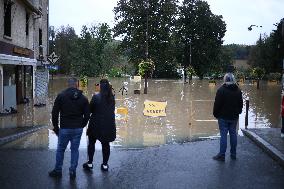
23,51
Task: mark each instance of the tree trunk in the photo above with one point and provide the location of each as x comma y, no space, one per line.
145,85
184,74
257,85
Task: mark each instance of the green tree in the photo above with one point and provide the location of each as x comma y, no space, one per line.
65,42
201,31
85,59
268,52
131,23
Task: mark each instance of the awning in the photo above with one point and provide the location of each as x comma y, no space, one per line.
16,60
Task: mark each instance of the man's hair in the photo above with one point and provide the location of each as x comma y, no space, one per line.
229,79
72,82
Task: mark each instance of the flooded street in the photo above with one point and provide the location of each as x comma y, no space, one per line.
188,113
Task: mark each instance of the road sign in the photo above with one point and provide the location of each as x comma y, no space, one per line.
52,67
53,58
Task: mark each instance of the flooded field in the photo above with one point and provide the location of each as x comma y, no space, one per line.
188,113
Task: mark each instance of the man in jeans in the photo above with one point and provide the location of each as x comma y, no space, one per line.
73,108
227,107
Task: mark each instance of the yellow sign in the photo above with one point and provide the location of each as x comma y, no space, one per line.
122,111
154,108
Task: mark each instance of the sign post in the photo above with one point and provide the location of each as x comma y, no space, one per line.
52,58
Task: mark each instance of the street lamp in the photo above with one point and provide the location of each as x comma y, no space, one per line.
253,25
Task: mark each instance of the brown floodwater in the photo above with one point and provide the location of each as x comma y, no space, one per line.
188,113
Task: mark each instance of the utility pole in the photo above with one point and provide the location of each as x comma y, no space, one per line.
147,46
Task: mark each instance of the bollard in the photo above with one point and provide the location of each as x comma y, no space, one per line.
246,118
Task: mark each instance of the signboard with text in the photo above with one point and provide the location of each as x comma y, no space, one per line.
155,108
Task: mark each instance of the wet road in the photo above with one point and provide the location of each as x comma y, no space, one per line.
189,113
187,165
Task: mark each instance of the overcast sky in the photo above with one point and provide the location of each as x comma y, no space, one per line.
238,15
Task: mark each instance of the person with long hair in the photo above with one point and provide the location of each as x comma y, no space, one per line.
102,124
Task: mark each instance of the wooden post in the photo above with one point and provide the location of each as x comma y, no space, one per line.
246,118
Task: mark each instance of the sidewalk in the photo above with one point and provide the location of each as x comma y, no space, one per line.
176,166
8,135
269,140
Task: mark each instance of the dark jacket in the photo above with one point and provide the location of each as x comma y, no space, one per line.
73,107
102,122
228,102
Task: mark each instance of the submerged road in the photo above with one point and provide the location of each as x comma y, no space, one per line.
188,165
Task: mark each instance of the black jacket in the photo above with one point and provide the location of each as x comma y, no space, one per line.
228,102
73,107
102,122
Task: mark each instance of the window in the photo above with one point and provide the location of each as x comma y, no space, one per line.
7,18
27,23
40,37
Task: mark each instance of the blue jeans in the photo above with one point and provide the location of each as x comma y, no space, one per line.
225,126
64,136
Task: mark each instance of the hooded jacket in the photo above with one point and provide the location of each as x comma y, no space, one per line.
228,102
73,107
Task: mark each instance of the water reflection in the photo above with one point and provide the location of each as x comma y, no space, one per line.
189,113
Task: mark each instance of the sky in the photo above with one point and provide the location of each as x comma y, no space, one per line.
238,15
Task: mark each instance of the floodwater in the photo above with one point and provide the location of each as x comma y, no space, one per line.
188,113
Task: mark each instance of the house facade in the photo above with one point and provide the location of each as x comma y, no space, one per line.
23,51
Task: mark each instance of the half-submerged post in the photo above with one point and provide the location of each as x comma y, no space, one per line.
246,118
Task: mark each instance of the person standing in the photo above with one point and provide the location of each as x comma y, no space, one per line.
227,107
102,124
73,108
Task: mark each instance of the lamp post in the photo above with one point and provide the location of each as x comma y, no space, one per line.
147,45
257,26
147,29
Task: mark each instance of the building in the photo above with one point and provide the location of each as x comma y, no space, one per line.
23,51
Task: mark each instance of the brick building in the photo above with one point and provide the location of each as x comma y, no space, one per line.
23,51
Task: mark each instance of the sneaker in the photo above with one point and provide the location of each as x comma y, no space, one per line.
72,175
88,166
219,158
104,167
55,174
282,135
233,157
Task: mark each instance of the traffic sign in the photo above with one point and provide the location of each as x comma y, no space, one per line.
53,58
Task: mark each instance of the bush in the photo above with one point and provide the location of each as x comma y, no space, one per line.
146,68
115,72
257,73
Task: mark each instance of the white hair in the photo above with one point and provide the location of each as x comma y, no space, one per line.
229,79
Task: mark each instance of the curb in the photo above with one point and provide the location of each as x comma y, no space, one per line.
18,135
268,148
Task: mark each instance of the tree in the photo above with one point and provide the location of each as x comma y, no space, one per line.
65,42
131,23
268,51
90,50
202,31
85,59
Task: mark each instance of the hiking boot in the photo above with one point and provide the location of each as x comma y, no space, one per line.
55,174
88,166
72,175
219,158
104,167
